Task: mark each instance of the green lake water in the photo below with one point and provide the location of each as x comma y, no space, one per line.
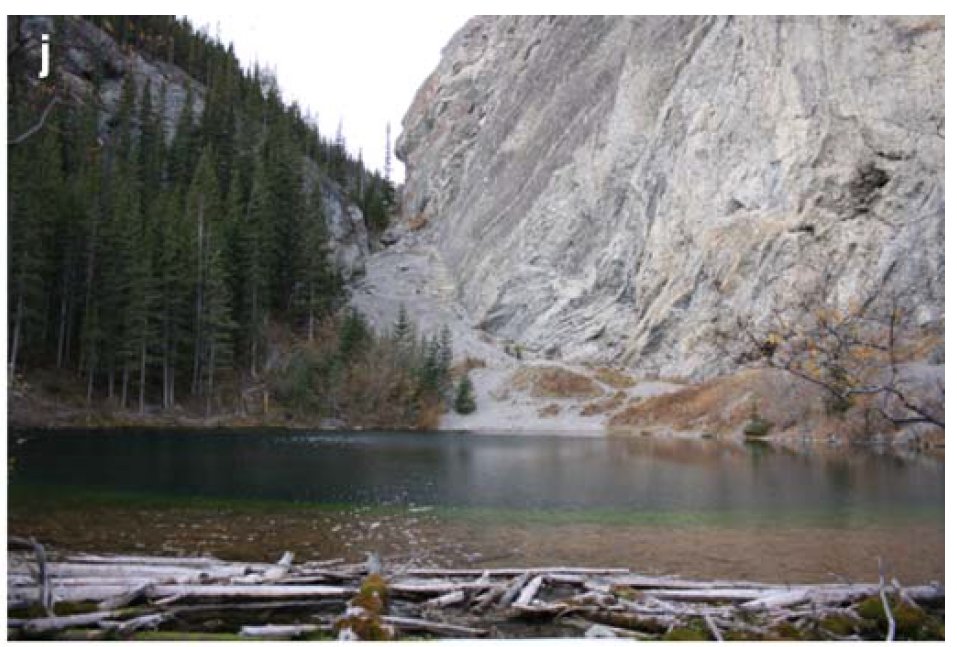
699,507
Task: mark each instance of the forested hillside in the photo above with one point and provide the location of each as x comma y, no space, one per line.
167,243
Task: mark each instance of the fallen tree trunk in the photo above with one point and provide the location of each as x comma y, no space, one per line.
191,591
440,628
512,572
136,594
281,632
529,591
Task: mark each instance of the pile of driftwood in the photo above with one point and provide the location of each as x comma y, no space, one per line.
118,596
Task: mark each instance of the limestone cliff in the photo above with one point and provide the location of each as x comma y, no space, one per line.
614,189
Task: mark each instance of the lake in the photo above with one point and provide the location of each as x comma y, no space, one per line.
697,508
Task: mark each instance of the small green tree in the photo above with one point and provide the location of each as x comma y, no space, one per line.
464,396
354,334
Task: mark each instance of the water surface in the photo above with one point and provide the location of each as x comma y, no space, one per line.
698,507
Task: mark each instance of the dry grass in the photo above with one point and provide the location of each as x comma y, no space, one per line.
430,414
549,411
462,368
554,382
604,405
614,378
418,222
725,404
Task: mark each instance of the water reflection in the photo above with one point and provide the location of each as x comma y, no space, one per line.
551,473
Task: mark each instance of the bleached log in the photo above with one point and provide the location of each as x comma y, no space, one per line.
67,582
124,599
337,576
434,587
168,601
785,599
278,632
714,595
455,597
839,594
891,622
484,600
155,560
49,625
181,591
540,609
18,579
43,577
270,574
653,606
253,592
177,573
644,582
713,628
140,623
528,592
306,579
514,588
95,593
512,572
440,628
601,586
322,563
924,593
599,630
595,598
632,621
564,578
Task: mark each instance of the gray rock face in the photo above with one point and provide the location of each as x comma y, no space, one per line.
616,189
82,43
348,244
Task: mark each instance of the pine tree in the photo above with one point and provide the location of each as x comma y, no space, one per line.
175,286
34,202
151,146
464,397
445,359
286,204
183,147
430,371
353,335
387,165
217,322
255,253
315,279
403,332
202,205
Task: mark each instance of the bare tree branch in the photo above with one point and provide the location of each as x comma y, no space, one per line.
852,351
37,126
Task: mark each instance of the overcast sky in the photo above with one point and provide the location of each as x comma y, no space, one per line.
363,69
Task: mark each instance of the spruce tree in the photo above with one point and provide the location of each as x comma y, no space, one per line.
445,359
202,206
255,254
464,397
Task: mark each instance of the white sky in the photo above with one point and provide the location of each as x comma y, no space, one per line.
363,68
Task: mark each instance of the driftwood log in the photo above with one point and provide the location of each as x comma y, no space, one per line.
51,595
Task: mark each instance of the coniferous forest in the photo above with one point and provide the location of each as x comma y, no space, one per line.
160,265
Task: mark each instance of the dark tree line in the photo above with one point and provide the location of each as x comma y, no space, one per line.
152,264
